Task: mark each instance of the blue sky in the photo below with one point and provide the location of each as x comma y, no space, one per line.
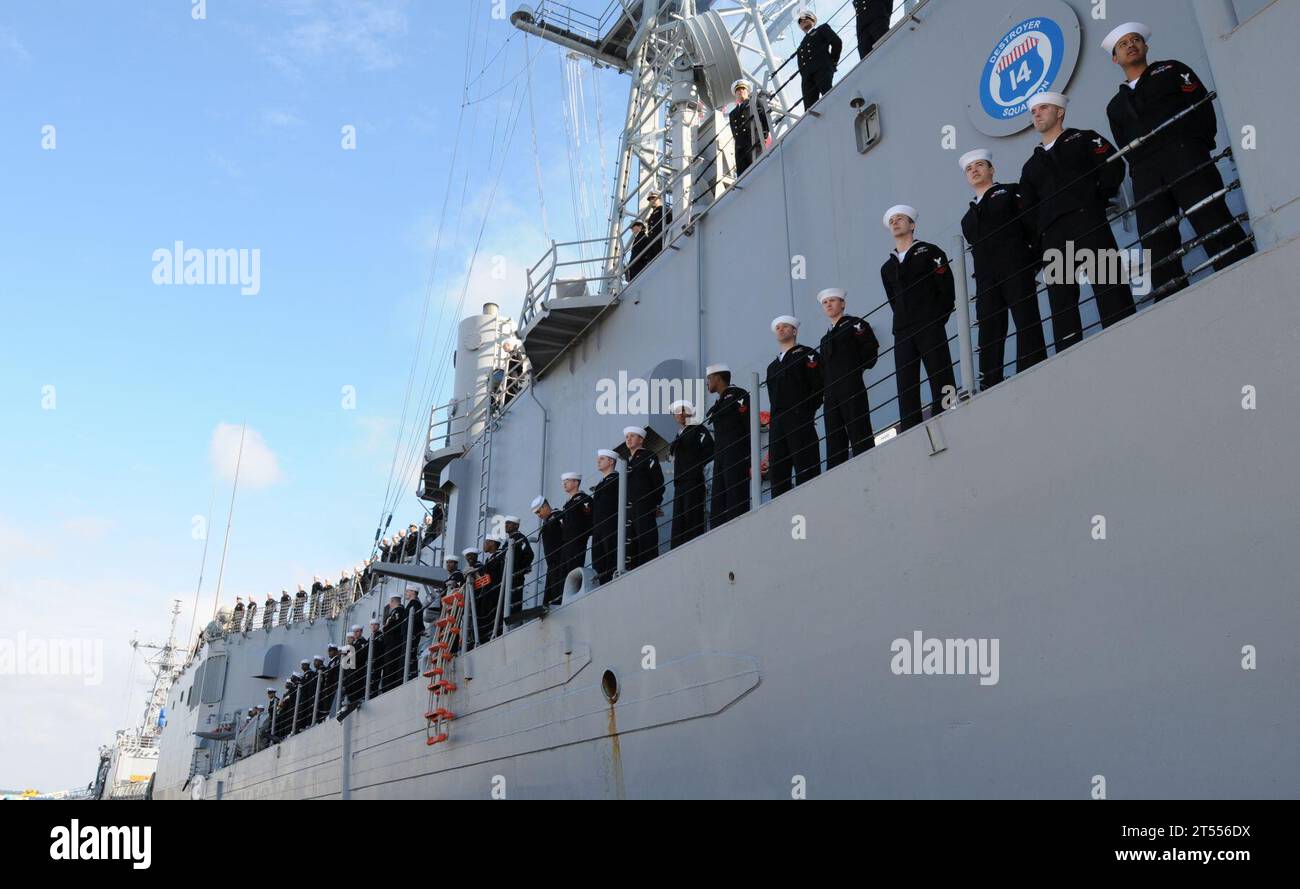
226,133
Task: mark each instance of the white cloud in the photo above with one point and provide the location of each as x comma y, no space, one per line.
258,468
277,117
339,31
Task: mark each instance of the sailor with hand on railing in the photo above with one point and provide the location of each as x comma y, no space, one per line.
354,681
819,56
1001,237
394,643
455,577
487,585
1174,162
237,615
1067,184
645,496
551,535
691,451
729,417
522,564
329,679
919,284
415,617
299,603
750,126
604,527
794,392
872,22
847,350
576,517
268,612
375,649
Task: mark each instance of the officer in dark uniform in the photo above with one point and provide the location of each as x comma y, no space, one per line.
354,680
848,350
873,22
919,285
645,496
729,417
237,615
268,612
794,391
690,452
487,586
1151,94
1002,238
306,695
1066,185
749,126
414,617
638,254
299,603
284,712
657,219
604,525
394,644
576,519
376,654
819,55
329,681
552,536
522,564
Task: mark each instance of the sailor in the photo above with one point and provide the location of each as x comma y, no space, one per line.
430,531
286,604
376,653
414,616
729,417
268,612
873,22
690,452
794,391
270,708
470,554
521,564
355,679
1172,169
398,547
848,349
749,124
455,577
329,680
237,615
1066,185
412,541
645,496
284,712
919,285
552,538
819,55
638,252
487,586
657,219
384,550
1001,238
306,695
299,603
576,516
604,526
394,644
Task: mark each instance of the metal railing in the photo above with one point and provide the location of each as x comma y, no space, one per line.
563,258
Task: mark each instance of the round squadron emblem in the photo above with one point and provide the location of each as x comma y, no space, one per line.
1037,51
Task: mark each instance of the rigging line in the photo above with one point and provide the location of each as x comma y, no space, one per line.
429,285
207,526
230,516
512,129
537,154
489,62
487,212
429,392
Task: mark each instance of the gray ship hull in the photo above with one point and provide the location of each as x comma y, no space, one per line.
1120,658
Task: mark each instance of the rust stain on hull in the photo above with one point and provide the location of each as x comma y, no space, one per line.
616,755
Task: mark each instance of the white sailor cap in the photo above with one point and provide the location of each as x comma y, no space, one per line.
319,657
909,212
537,502
806,14
331,645
979,154
784,319
682,405
451,557
497,538
571,477
304,663
297,675
634,430
1118,34
511,520
653,194
374,621
606,452
355,628
469,551
1057,99
738,83
832,293
716,369
270,689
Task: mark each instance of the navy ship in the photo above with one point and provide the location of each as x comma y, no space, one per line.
1076,582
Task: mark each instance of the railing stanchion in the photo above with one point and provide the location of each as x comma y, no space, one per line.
621,549
968,376
507,584
755,467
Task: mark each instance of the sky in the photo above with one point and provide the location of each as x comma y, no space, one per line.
355,149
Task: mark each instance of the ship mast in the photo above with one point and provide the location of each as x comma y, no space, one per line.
682,56
164,662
